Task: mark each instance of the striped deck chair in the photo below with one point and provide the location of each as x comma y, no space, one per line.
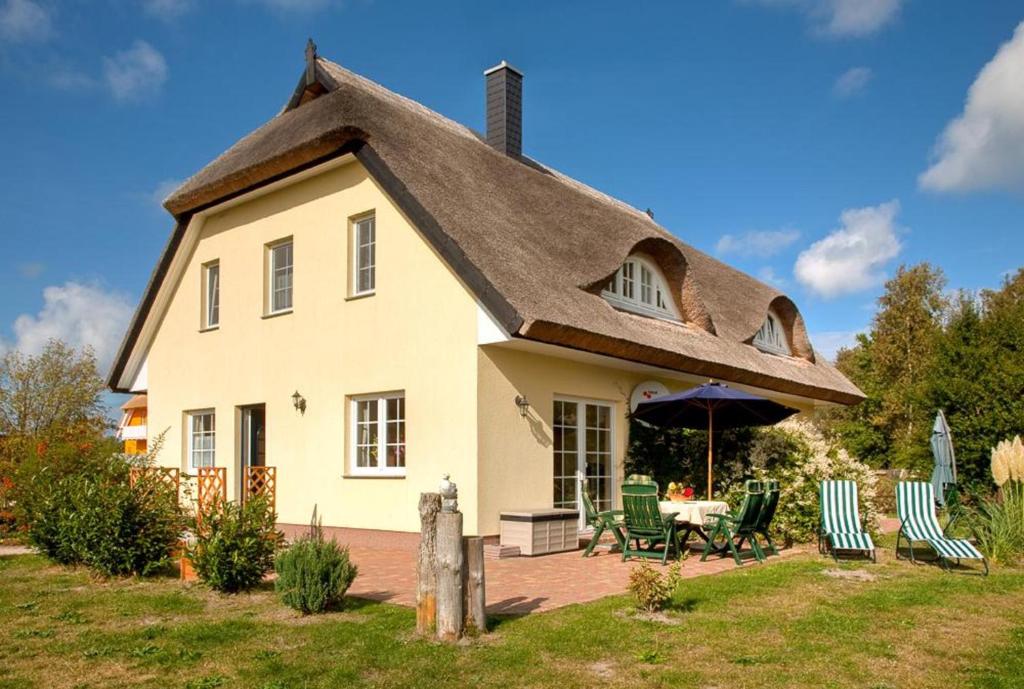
840,527
915,506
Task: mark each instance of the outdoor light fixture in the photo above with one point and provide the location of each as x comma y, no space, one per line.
299,401
523,404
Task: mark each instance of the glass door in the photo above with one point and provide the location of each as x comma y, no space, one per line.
583,441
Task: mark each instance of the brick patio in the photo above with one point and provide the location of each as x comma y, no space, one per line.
521,585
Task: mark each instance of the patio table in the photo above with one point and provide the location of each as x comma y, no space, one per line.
692,514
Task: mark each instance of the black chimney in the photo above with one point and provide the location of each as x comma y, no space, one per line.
505,108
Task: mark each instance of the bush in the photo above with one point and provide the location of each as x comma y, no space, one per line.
96,518
313,574
235,544
999,522
812,459
651,589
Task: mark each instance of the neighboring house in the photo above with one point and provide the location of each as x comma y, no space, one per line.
367,295
132,430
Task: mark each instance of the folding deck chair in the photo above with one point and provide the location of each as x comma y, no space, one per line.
915,506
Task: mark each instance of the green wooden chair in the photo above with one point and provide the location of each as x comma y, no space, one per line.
915,506
840,527
609,520
768,509
736,527
645,523
640,478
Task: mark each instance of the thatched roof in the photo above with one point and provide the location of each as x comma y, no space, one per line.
534,245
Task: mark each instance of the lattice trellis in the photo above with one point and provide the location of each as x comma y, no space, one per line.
211,487
262,481
165,477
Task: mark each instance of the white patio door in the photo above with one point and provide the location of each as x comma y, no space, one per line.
583,441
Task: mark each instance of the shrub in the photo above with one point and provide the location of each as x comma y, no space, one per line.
812,459
235,544
651,589
98,519
313,574
999,522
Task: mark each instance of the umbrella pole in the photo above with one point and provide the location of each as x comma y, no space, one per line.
710,430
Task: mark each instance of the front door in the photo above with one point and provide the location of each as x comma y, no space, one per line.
254,442
583,442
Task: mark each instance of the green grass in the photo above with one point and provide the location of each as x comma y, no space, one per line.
785,625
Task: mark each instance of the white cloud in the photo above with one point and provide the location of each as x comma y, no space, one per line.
829,342
760,243
852,82
168,10
843,18
851,257
79,314
983,148
31,269
136,73
163,190
767,274
22,21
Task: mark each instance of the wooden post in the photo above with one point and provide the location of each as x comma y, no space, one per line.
426,572
450,618
473,584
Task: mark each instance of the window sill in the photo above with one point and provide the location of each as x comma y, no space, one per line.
209,329
275,314
361,295
374,476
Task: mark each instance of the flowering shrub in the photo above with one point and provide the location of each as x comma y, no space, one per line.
810,459
999,523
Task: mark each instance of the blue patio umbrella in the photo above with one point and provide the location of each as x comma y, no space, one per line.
711,406
944,472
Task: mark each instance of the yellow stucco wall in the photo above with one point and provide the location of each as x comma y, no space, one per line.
417,334
515,453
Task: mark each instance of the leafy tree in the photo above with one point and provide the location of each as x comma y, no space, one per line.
50,393
893,365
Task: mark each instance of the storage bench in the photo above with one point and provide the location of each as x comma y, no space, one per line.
540,531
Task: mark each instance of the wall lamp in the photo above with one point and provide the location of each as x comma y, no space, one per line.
299,402
523,404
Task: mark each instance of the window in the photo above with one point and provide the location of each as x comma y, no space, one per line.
649,297
771,337
202,438
378,435
364,255
279,277
211,295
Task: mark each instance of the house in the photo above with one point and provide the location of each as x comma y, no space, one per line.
366,295
131,429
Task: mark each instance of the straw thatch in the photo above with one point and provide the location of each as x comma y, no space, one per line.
534,245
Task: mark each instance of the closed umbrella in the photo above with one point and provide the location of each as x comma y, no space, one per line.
711,406
944,472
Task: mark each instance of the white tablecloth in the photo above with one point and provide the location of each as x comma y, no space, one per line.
692,511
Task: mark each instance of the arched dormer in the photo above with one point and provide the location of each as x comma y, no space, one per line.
783,331
639,286
771,337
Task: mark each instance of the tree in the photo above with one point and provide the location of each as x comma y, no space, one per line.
893,364
51,393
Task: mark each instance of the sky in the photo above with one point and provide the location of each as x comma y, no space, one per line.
816,144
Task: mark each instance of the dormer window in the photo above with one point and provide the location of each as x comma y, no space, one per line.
638,286
771,337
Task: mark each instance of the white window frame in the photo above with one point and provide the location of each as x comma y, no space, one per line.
764,341
270,274
381,445
193,416
639,287
581,449
211,299
358,225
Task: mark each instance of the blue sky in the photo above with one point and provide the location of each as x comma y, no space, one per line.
787,137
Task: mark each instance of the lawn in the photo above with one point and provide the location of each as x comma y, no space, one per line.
791,624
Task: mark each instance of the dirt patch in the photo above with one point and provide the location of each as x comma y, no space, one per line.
644,616
850,574
603,669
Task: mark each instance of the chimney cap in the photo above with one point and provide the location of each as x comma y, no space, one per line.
502,65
